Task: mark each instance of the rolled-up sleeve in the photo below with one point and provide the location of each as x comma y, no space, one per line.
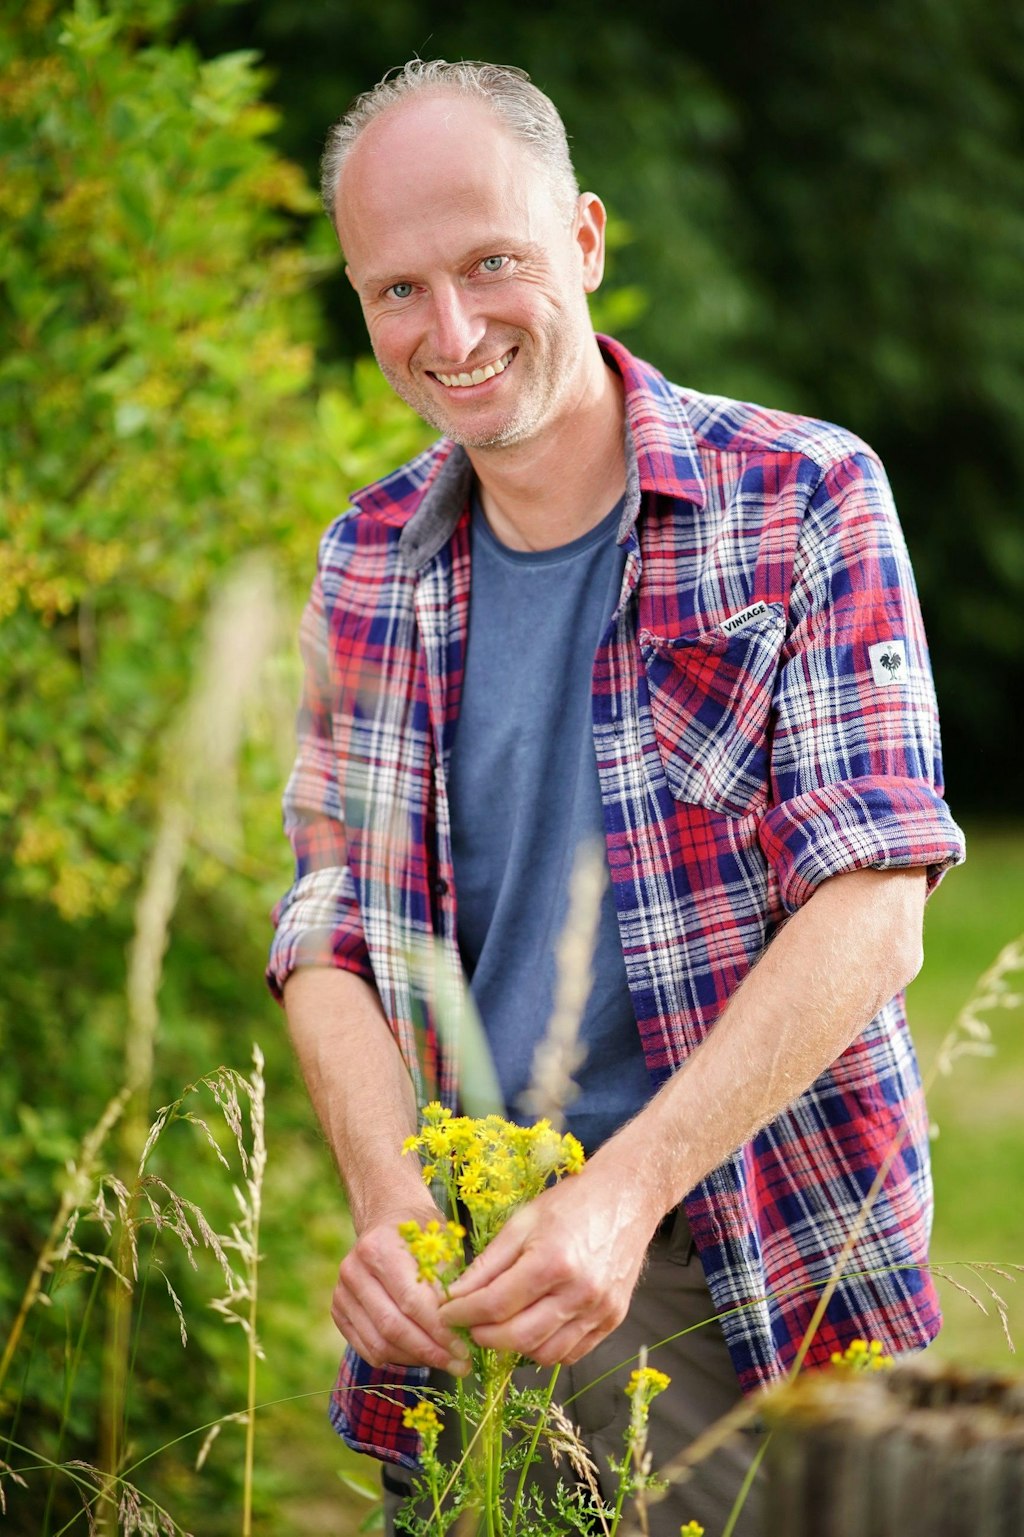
317,921
856,773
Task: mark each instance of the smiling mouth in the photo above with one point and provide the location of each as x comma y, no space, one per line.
478,375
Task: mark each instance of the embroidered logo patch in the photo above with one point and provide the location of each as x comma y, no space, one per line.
888,662
743,618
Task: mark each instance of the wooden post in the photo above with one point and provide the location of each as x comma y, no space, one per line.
920,1451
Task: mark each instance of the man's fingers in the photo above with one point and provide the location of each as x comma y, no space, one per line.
560,1326
511,1291
385,1335
568,1345
382,1341
500,1255
530,1331
389,1315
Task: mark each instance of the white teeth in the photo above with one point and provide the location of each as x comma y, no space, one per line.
460,381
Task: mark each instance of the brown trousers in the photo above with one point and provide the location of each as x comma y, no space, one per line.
671,1296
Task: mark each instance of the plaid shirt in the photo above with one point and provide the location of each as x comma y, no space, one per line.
764,719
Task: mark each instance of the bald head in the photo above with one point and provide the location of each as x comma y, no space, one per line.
525,112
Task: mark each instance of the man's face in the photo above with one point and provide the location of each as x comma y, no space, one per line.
472,279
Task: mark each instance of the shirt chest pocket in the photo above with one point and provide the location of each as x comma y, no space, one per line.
710,698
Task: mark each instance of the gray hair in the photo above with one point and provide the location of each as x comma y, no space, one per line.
530,116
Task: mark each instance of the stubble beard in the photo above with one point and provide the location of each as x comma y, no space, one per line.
526,415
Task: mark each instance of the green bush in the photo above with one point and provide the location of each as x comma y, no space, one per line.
162,417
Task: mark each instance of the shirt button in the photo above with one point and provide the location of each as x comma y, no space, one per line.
441,887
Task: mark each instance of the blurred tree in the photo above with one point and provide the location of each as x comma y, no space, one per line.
156,419
880,160
825,212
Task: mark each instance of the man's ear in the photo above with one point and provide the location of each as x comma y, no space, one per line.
588,232
348,274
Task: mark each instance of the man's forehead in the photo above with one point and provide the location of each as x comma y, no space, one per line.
432,127
442,138
437,164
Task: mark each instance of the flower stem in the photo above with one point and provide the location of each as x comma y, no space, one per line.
745,1487
541,1420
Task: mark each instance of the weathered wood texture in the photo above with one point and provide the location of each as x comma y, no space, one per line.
920,1451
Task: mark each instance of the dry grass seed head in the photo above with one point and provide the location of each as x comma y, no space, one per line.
197,1120
564,1440
6,1471
1002,1307
91,1261
971,1035
139,1517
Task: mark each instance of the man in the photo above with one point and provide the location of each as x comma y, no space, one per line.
691,630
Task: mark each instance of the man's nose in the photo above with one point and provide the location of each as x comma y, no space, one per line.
457,328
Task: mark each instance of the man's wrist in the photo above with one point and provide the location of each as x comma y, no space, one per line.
635,1159
392,1201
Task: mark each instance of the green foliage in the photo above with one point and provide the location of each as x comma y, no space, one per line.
161,415
155,414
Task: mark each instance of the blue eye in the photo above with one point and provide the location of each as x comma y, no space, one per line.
400,290
493,263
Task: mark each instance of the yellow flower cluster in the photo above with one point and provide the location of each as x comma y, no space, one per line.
436,1248
691,1529
646,1383
489,1164
425,1420
862,1356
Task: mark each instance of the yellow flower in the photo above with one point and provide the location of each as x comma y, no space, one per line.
573,1154
435,1249
862,1356
492,1165
424,1419
646,1383
643,1385
691,1529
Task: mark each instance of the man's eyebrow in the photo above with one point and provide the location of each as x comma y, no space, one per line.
376,280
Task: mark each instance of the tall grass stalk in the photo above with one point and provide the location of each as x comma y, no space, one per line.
77,1191
154,910
241,1303
200,782
109,1499
559,1055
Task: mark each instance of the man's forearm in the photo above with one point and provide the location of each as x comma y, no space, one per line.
363,1094
841,958
360,1087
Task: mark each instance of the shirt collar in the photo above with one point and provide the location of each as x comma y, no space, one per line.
430,495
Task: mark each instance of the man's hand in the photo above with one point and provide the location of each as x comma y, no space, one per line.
381,1307
560,1274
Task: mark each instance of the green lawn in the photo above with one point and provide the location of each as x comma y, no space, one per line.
978,1109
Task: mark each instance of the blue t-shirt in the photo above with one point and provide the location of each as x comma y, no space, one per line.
524,793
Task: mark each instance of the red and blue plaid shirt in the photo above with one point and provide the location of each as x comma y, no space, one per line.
764,719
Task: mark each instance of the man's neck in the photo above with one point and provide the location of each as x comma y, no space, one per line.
547,492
